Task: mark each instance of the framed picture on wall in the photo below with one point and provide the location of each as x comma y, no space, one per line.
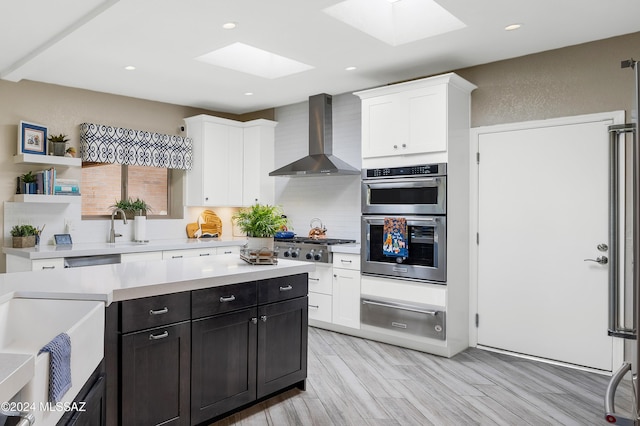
32,139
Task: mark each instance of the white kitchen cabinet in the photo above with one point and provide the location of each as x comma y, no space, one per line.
46,264
258,162
346,290
320,291
231,162
415,118
179,254
141,256
319,307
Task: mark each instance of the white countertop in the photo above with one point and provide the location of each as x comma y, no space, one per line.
94,249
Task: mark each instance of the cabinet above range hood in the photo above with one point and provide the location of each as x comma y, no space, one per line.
320,160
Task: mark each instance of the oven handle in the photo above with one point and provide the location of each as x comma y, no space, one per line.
400,307
432,181
380,218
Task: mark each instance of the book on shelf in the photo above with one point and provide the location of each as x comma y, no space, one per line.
46,183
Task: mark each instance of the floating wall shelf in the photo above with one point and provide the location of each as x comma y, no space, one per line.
47,159
40,198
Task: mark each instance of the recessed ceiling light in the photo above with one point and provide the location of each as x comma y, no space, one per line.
129,68
251,60
248,94
512,27
229,25
352,68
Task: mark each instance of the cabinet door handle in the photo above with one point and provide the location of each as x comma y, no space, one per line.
254,320
48,267
159,336
286,288
228,252
227,299
177,256
263,318
204,254
314,279
314,306
345,261
158,311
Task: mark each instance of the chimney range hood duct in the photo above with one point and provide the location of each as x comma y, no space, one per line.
320,161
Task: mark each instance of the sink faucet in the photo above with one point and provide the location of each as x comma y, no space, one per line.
112,231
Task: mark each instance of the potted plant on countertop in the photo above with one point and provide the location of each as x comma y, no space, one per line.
24,236
58,144
260,223
131,207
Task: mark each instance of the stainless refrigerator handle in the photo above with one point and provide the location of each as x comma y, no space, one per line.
616,133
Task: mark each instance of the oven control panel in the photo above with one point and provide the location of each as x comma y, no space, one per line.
439,169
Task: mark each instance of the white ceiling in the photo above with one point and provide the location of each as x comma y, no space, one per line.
87,44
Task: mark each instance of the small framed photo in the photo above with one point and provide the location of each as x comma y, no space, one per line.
32,139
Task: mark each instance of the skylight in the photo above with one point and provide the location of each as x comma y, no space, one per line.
251,60
397,22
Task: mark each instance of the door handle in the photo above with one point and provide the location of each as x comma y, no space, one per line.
602,260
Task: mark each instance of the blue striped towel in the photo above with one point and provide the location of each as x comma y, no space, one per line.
59,366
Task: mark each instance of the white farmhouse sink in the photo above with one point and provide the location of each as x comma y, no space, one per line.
26,325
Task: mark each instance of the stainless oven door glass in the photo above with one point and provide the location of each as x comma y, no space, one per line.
427,249
425,195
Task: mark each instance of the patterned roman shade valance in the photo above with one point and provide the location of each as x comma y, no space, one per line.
100,143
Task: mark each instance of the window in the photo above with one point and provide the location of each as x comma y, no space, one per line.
104,184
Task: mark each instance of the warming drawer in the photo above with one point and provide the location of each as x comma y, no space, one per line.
415,319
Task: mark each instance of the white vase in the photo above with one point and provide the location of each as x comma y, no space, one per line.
257,244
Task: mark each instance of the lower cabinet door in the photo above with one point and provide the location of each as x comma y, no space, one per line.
93,413
155,376
282,345
223,363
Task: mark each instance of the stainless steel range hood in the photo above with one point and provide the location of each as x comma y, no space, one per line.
320,160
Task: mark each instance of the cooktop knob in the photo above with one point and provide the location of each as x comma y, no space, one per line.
318,255
295,253
287,253
310,255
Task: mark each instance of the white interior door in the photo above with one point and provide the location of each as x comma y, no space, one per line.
542,210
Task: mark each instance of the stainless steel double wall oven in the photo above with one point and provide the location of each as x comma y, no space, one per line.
419,195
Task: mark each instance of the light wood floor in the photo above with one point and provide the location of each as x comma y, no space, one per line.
354,381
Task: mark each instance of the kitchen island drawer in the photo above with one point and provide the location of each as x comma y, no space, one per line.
282,288
148,312
216,300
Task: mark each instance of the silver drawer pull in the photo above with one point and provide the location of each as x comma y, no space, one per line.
227,299
346,261
254,320
314,306
48,267
228,252
158,336
286,288
402,308
263,318
159,311
177,256
204,254
314,279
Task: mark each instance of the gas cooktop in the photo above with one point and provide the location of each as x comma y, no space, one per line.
308,249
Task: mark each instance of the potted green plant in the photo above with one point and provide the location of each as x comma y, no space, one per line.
131,207
260,223
58,144
24,236
28,183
